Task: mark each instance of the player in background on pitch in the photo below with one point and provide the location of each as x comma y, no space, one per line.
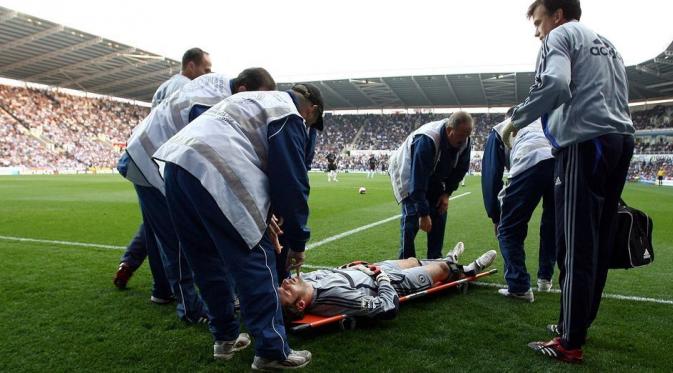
331,168
372,167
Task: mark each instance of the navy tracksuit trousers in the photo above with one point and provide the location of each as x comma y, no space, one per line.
409,228
521,197
589,179
215,250
157,220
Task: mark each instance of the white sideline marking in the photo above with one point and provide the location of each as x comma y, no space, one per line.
113,247
364,227
67,243
609,296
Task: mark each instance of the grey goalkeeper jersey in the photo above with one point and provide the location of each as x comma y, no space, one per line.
580,90
350,292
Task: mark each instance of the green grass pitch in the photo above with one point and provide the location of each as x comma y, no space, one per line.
60,312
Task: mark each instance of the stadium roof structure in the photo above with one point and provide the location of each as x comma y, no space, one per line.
40,51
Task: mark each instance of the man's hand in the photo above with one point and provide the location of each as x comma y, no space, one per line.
382,277
508,133
443,203
294,260
425,223
369,270
274,232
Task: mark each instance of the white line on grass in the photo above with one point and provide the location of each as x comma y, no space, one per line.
610,296
327,240
67,243
490,284
362,228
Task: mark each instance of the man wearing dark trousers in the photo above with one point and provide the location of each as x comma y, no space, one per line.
424,171
195,62
530,166
581,94
173,114
226,175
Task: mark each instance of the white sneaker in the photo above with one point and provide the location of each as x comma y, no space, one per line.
225,349
456,252
543,286
295,360
485,260
527,296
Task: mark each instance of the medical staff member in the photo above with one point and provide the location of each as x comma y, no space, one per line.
530,166
424,171
226,174
161,124
581,94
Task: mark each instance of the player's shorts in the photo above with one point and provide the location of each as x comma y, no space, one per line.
407,281
331,167
660,178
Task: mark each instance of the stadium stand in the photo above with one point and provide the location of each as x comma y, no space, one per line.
657,117
52,131
646,169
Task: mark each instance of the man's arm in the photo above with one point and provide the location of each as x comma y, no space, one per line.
422,165
552,83
492,169
288,180
350,301
458,173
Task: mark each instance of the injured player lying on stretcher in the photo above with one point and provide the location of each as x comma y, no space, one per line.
360,289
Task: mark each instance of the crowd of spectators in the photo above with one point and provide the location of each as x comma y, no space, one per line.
373,132
647,169
660,145
75,131
655,118
55,130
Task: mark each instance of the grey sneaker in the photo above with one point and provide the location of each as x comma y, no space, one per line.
543,286
225,349
527,296
455,253
295,360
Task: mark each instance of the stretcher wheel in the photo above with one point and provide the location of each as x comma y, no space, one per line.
347,324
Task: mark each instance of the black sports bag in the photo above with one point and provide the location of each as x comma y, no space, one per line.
633,238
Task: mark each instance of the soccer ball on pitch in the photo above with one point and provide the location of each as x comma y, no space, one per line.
362,190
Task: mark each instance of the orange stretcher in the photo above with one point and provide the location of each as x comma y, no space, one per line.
348,322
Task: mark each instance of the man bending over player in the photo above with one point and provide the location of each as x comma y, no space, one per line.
359,289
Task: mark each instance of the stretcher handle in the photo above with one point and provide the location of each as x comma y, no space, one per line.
327,320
